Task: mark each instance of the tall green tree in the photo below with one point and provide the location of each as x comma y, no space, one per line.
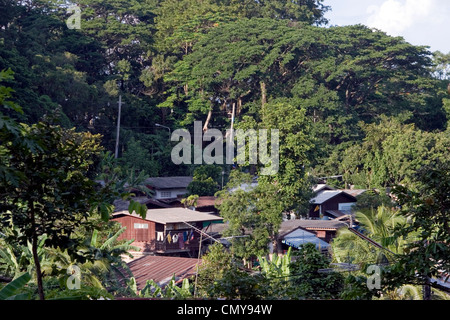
52,193
391,153
427,208
253,213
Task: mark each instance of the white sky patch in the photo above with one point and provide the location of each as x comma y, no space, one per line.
397,16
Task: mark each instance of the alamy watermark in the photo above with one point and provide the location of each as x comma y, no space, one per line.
374,281
213,153
74,281
74,21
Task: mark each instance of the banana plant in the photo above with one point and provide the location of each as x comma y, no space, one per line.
9,262
170,291
9,292
278,267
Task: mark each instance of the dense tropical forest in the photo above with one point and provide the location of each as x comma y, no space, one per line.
348,101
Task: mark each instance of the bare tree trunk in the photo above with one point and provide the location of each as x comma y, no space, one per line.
426,289
239,106
34,244
208,119
263,94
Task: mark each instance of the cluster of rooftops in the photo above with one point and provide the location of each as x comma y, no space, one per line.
196,227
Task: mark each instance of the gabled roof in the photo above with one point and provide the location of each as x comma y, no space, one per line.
299,237
122,205
326,195
322,186
329,225
161,269
354,192
169,182
174,215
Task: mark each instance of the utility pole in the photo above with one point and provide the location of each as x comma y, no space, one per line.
118,127
161,126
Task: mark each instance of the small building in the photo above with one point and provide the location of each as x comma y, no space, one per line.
299,237
327,200
168,188
323,229
166,231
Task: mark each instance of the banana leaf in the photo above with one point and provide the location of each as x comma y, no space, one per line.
9,291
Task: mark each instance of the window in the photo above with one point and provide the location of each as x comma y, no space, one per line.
346,206
141,230
166,194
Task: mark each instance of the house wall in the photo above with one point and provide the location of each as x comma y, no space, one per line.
144,237
154,236
174,193
332,204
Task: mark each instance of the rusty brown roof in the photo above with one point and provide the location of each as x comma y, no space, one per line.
206,201
161,269
290,225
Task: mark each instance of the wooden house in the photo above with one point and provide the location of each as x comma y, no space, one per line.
330,200
168,188
323,229
166,231
299,236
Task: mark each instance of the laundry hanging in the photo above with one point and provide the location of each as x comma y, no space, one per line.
159,236
180,241
169,238
175,238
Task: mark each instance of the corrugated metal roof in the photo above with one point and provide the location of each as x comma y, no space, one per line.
354,192
174,215
321,187
290,225
299,237
169,182
326,195
122,205
161,269
338,213
206,201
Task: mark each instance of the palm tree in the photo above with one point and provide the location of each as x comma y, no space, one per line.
378,225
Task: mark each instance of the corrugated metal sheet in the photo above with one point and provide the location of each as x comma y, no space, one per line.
174,215
338,213
169,182
299,237
354,192
161,269
329,225
122,205
206,201
326,195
